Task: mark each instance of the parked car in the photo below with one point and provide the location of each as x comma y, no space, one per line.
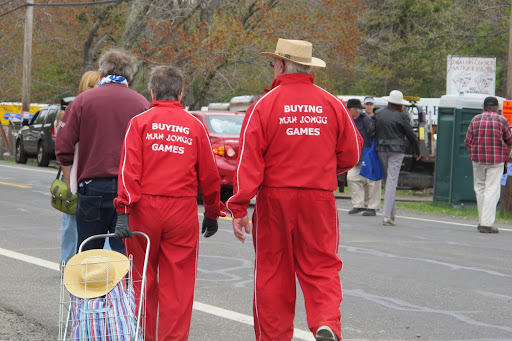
224,131
36,137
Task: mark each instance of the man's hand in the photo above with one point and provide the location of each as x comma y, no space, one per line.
417,157
238,224
122,228
210,227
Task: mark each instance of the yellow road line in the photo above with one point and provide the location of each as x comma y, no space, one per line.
224,218
15,185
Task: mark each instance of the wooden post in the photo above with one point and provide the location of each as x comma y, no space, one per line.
27,60
506,191
509,63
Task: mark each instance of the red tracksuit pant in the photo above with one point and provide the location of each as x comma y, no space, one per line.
173,228
295,233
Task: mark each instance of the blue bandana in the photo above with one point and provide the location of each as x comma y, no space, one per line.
113,79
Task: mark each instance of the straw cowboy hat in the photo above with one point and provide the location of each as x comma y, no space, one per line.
94,273
396,97
297,51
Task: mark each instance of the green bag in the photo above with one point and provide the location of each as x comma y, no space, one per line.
62,199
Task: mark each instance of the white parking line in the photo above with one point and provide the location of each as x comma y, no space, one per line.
29,259
234,316
203,307
433,221
30,168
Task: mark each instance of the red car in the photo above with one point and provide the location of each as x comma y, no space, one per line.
224,130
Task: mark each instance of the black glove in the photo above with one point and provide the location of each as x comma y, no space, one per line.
122,228
210,227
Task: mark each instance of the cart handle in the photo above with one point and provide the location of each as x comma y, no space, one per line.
146,257
112,235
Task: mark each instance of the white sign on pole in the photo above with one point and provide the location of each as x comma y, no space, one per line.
471,75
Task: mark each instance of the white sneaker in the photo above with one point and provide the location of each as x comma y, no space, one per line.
325,333
388,222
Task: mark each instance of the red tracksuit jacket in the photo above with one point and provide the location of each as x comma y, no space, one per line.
167,152
297,135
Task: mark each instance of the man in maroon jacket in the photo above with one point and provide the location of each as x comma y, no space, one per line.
294,141
98,119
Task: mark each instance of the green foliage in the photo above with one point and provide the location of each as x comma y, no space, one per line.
406,43
371,47
446,209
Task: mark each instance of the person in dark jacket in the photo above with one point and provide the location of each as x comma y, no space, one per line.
365,193
392,126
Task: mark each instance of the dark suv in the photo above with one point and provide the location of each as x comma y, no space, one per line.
37,137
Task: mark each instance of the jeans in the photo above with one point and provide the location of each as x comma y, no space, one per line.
96,214
68,236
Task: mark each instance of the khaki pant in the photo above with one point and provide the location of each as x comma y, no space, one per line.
486,181
392,162
363,192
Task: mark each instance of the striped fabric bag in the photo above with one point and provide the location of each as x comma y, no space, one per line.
108,318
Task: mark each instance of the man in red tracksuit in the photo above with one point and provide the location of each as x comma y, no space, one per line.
166,154
294,140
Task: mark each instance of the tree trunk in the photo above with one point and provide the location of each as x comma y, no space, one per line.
89,51
135,24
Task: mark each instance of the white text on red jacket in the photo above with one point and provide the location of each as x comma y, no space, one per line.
303,119
174,138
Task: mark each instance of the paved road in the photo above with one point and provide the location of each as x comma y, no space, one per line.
429,278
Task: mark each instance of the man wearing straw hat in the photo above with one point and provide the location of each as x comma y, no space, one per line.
294,140
392,126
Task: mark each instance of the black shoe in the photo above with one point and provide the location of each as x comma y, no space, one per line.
488,229
356,210
325,333
369,213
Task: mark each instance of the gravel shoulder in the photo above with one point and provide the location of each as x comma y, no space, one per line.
16,327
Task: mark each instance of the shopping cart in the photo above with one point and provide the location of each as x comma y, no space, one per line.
113,316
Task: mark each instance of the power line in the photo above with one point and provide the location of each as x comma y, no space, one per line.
7,2
12,10
80,3
104,2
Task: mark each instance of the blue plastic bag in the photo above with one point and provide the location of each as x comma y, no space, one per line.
371,167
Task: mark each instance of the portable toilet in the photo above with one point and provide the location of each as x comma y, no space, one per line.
453,175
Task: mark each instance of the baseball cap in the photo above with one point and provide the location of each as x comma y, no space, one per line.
490,101
354,103
368,100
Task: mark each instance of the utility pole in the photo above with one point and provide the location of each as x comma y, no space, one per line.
509,64
506,191
27,61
